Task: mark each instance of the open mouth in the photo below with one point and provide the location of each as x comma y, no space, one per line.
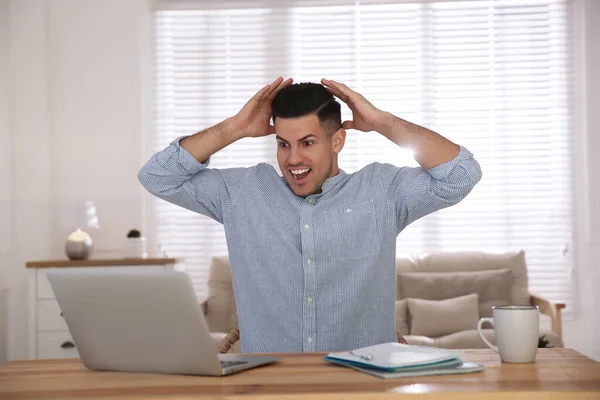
300,175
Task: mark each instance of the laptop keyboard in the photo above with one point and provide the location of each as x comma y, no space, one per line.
232,363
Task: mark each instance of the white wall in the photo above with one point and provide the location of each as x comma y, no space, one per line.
4,144
30,171
94,112
76,129
4,178
76,133
583,333
593,128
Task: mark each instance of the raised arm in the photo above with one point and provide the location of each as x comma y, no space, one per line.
179,173
448,171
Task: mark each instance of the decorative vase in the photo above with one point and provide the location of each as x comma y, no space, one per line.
79,245
135,247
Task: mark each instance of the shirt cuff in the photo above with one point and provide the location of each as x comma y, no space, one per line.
439,172
187,161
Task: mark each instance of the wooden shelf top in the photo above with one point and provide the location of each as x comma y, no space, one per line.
102,262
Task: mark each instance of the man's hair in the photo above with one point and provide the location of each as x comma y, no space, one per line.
300,99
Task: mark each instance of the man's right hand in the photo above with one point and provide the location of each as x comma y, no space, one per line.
254,119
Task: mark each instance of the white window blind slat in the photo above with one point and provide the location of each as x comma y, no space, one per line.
494,76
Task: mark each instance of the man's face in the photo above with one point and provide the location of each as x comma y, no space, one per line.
307,156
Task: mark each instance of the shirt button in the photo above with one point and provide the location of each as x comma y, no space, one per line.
309,261
306,226
348,210
311,201
310,340
309,299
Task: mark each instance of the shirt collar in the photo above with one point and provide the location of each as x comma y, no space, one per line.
327,185
334,180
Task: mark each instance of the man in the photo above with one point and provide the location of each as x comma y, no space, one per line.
313,252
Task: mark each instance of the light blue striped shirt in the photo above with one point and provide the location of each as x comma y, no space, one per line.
314,273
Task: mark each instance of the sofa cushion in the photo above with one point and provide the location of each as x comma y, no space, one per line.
470,339
472,261
417,340
467,339
493,287
220,304
233,321
402,317
436,318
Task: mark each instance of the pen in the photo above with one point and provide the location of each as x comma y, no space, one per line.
367,357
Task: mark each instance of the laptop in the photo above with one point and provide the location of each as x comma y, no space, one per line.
129,320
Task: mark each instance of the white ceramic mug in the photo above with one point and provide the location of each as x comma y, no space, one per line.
516,329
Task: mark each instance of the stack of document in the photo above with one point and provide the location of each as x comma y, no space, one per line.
395,360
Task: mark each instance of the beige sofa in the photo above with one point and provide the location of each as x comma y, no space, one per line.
493,279
440,297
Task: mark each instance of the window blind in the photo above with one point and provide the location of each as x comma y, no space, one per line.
494,76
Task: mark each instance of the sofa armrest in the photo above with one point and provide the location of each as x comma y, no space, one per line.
204,306
552,310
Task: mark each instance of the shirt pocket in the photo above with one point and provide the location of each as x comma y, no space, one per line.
349,232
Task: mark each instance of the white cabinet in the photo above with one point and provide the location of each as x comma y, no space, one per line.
49,335
55,344
3,325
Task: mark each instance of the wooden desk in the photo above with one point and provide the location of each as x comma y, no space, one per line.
558,373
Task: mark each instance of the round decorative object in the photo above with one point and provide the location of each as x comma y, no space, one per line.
79,245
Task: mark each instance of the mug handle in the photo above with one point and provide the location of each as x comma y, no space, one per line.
481,321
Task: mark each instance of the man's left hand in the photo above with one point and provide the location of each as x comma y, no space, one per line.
365,116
